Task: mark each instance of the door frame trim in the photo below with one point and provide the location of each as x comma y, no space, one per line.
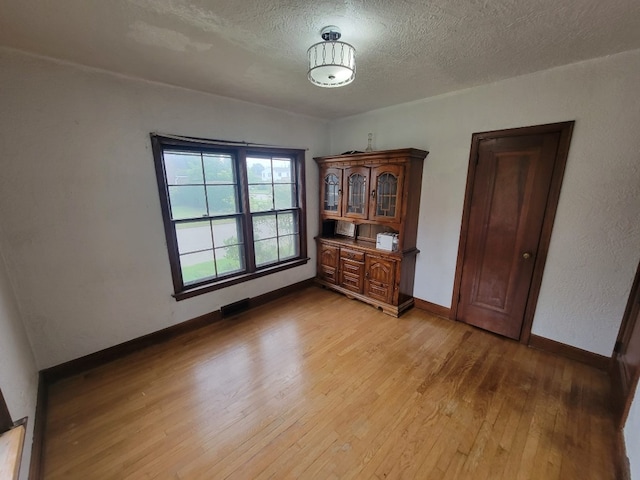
623,387
565,129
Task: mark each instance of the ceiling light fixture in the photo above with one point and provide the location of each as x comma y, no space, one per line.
331,63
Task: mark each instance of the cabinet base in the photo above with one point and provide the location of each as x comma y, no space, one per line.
393,310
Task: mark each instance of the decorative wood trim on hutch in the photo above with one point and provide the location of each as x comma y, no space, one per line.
376,192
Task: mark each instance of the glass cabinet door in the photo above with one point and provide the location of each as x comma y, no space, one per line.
386,193
331,192
356,203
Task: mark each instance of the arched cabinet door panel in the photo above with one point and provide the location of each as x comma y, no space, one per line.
328,263
386,190
356,198
379,278
331,192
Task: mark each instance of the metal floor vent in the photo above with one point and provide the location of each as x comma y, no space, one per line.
235,307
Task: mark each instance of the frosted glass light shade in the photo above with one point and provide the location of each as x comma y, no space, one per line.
332,64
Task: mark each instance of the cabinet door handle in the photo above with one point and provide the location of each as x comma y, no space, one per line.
366,275
340,191
373,194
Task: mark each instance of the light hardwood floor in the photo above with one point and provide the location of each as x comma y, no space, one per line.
316,386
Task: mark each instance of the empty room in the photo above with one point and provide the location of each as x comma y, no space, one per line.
330,240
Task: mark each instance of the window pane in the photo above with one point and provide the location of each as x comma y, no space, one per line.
282,170
229,259
260,198
227,232
222,199
284,194
187,202
264,226
259,170
193,236
218,168
287,223
183,168
211,204
288,246
197,266
266,251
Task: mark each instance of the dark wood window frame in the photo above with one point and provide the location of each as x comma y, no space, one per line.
161,143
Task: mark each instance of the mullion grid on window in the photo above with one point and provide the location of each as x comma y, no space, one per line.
236,216
210,218
209,213
276,212
206,200
279,236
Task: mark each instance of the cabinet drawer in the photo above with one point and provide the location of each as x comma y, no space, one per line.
354,268
351,282
352,255
328,274
352,275
380,291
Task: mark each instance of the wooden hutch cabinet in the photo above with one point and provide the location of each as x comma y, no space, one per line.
362,195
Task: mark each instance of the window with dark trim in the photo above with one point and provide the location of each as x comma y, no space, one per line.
231,213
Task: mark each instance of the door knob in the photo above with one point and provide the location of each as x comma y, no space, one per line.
526,255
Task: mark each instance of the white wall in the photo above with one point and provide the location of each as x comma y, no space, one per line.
18,373
595,244
83,232
632,436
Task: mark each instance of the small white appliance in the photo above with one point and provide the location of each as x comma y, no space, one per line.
387,241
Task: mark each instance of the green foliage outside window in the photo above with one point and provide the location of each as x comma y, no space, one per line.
205,193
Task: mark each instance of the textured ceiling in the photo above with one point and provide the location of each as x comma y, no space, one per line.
255,50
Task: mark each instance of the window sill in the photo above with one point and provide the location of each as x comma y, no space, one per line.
11,443
193,292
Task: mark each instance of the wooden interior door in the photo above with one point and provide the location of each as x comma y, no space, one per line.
626,356
514,183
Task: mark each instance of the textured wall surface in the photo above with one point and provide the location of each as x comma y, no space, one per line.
82,228
595,246
82,235
18,374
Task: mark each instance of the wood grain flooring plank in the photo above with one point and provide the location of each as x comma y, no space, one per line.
316,386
